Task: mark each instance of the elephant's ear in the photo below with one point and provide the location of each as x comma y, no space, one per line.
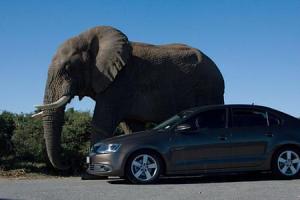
111,50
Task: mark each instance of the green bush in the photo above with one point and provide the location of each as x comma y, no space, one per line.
28,139
7,126
76,138
21,138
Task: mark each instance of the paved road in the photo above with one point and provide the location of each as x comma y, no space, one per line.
237,187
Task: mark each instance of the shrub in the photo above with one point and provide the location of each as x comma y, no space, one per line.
7,126
29,144
76,137
28,140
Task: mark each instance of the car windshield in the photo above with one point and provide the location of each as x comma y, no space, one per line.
172,121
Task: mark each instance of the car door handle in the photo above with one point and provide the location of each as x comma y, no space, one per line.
222,137
179,148
269,134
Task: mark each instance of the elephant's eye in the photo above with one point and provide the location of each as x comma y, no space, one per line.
68,67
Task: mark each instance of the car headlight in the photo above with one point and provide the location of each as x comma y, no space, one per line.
101,148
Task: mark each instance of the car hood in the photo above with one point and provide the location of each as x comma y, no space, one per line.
132,136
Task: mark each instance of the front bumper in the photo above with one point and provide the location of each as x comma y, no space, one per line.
105,164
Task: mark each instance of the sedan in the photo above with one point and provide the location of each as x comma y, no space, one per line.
210,139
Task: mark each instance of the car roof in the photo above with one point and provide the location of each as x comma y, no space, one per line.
195,110
207,107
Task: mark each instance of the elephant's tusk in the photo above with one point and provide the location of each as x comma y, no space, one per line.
36,115
60,102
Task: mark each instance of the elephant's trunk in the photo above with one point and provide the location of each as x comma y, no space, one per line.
53,111
52,122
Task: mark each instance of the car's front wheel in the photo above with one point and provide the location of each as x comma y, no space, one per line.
143,168
286,163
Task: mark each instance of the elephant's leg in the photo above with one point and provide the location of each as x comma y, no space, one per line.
105,121
97,135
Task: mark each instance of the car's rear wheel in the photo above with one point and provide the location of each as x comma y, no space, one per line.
286,163
143,168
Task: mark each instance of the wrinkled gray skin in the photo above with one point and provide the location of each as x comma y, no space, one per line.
130,82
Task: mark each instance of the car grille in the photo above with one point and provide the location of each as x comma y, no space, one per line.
91,167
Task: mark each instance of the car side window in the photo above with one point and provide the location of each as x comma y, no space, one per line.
211,119
208,119
273,120
248,118
192,122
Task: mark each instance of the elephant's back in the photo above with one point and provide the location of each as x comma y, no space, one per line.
173,69
168,53
180,61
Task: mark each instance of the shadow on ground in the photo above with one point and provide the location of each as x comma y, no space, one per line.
7,199
221,178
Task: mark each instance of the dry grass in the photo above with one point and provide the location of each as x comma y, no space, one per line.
15,173
22,174
26,170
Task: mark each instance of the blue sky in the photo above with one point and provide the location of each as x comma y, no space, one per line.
255,44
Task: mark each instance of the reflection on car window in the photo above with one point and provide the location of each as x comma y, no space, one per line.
248,118
273,120
168,123
208,119
172,121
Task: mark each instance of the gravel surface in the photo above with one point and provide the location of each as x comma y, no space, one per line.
257,187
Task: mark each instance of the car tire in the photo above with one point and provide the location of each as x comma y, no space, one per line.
286,163
143,167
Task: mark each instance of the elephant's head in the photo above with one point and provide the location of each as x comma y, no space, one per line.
83,66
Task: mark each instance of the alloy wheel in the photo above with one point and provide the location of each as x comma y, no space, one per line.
144,167
288,163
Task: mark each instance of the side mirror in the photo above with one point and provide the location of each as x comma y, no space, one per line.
183,127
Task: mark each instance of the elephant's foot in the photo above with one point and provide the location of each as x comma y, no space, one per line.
125,128
135,126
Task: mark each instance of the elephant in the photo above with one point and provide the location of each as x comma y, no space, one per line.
130,82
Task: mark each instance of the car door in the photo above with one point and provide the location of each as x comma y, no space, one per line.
250,136
205,145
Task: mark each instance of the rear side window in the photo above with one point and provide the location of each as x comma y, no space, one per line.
274,120
248,118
